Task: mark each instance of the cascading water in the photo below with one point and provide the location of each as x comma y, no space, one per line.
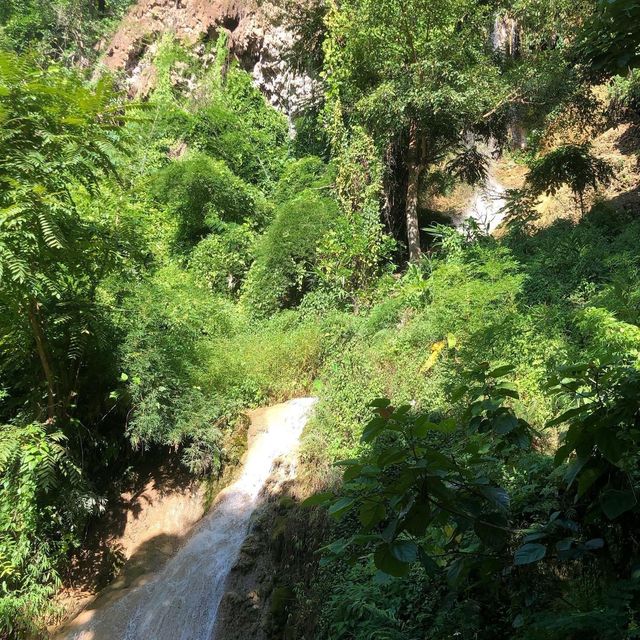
181,601
486,207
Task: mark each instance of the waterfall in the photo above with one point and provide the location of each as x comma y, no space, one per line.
486,206
180,602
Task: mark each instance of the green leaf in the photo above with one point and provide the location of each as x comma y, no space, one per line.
372,512
610,444
317,499
422,426
380,403
404,550
506,390
497,495
417,519
456,571
433,460
388,563
588,476
459,392
373,429
446,426
340,507
562,454
490,529
338,547
596,543
427,562
536,535
574,469
614,503
501,371
567,415
505,424
382,579
351,472
530,553
565,550
391,457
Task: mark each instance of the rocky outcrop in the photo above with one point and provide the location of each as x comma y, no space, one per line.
506,36
257,34
277,562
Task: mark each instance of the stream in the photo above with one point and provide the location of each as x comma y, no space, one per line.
181,600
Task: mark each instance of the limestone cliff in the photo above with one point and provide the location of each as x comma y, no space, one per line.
257,33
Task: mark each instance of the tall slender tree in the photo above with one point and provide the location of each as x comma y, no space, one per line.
417,70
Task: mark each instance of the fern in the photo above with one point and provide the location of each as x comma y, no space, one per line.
34,465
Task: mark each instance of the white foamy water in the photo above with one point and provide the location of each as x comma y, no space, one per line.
486,206
181,601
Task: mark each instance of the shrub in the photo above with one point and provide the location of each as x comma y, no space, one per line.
170,329
284,269
43,500
239,127
307,173
571,165
201,192
222,260
352,257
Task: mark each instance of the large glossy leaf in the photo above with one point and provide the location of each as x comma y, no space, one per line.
340,507
417,519
317,499
372,512
404,550
497,495
373,429
530,553
612,447
614,503
567,415
491,529
388,563
505,424
501,371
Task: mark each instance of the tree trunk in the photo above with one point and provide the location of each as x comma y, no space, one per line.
41,346
415,170
102,6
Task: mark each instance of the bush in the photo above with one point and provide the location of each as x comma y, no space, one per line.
170,329
352,257
221,261
239,127
43,502
284,269
307,173
202,192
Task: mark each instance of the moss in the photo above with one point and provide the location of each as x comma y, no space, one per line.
281,599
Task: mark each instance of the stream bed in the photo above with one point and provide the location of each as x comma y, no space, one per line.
180,601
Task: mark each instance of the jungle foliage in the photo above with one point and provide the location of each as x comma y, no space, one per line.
473,460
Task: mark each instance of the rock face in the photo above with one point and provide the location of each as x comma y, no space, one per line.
257,34
506,36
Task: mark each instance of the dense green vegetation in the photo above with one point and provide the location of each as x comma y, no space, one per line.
165,265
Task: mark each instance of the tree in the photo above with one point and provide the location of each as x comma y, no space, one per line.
417,71
571,165
610,40
57,137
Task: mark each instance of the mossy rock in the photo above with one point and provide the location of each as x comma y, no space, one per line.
281,597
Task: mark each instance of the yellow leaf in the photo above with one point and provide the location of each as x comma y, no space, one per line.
436,350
